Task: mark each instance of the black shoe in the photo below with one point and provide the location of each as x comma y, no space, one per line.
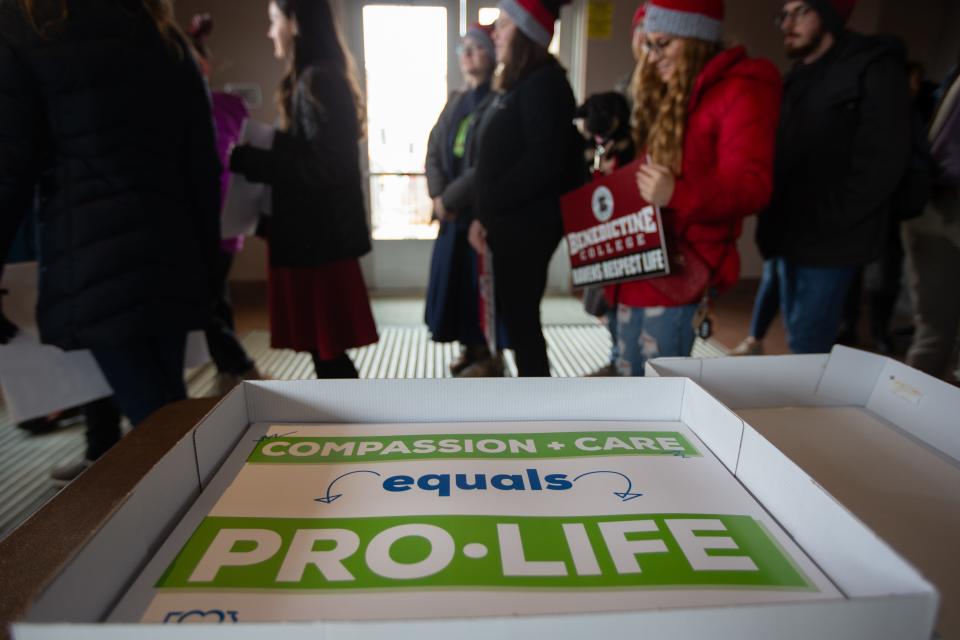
49,424
848,338
884,345
39,426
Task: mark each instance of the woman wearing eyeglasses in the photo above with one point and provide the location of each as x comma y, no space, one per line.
706,119
452,310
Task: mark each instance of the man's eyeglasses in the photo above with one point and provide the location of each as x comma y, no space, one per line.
793,15
658,48
467,49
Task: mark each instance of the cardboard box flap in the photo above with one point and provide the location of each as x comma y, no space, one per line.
756,381
218,433
96,578
859,562
404,401
850,376
718,427
875,618
921,405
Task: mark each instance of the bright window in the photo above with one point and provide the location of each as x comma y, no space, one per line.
405,53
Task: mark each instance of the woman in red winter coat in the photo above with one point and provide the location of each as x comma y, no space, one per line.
706,119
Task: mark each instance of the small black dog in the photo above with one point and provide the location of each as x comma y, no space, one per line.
606,126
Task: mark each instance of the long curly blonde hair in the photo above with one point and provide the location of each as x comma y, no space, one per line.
660,108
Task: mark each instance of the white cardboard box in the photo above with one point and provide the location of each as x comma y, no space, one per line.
884,596
882,438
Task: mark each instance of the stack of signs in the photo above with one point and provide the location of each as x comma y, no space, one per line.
613,235
375,522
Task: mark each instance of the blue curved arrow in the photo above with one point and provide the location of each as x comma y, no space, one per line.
327,499
623,495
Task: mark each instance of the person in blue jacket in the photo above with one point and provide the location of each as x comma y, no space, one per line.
104,113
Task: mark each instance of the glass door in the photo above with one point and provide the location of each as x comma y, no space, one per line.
406,67
406,56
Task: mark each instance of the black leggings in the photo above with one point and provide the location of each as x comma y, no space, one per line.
520,268
340,368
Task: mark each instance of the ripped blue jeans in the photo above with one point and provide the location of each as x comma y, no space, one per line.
644,333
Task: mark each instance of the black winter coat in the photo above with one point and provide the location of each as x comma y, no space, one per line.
528,154
114,123
319,214
435,171
457,191
842,147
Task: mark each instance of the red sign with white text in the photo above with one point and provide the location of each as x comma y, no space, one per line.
613,234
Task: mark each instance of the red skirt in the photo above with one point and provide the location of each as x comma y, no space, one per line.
324,309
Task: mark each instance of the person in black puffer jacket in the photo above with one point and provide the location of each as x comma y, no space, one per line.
318,229
529,154
103,107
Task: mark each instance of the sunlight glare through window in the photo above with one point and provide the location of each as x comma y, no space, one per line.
405,53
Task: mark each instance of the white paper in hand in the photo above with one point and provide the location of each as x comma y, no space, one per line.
39,379
247,201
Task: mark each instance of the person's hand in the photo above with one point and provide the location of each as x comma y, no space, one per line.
7,329
608,165
442,214
656,184
477,236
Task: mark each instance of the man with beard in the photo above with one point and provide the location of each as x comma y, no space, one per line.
842,146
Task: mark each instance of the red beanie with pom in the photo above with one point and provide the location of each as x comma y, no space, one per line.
639,16
534,18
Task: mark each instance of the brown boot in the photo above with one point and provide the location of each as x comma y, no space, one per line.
606,371
468,356
491,367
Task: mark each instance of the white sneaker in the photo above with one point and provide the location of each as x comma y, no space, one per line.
65,472
492,367
749,347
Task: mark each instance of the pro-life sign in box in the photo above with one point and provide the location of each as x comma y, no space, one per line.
361,522
613,235
508,508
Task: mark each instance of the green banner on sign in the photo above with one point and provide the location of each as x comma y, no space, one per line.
436,552
291,449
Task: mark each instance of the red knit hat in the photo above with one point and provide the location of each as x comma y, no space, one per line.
533,18
639,16
700,19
